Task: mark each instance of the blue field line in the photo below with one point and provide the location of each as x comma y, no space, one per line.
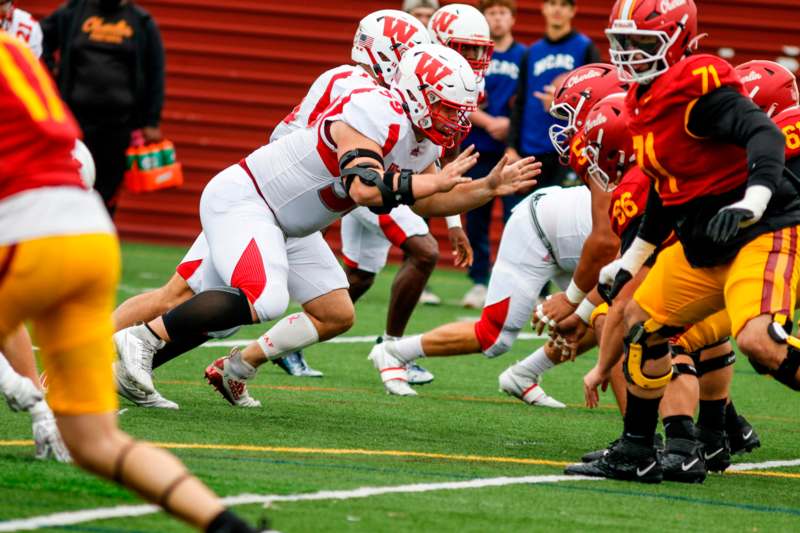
332,466
684,499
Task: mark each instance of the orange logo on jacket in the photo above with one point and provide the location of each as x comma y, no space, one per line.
107,32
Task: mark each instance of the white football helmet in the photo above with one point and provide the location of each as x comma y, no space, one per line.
383,37
464,29
439,91
81,154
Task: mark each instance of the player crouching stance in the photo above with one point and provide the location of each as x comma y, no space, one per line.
372,146
717,164
59,266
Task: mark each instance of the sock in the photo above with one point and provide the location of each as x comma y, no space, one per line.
712,414
537,363
240,368
291,333
212,310
155,338
227,522
387,337
175,348
407,349
679,427
731,419
641,419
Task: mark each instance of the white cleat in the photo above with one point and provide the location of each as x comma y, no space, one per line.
526,388
231,388
418,375
136,347
428,297
392,371
129,391
475,298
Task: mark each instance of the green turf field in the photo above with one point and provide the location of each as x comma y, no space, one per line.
316,435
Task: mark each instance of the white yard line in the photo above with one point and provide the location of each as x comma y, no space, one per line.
123,511
355,339
765,465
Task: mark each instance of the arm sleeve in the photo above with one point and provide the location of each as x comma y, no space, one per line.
727,115
154,68
592,54
656,225
519,104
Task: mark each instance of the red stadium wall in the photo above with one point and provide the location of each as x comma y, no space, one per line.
237,67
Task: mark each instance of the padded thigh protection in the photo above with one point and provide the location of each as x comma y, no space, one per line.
637,352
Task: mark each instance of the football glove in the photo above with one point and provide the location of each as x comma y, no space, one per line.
19,391
46,436
616,274
726,223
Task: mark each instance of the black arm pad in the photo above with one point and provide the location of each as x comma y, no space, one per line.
372,178
357,153
405,195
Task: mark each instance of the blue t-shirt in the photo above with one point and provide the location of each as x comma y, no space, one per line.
501,87
545,61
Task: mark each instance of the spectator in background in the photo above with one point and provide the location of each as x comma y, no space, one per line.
422,10
490,127
561,50
111,74
20,24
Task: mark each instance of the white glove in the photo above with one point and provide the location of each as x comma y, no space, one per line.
631,261
20,392
46,436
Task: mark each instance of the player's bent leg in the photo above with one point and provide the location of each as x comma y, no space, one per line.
771,349
148,305
360,281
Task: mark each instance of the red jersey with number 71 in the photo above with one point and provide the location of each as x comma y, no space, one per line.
37,131
683,165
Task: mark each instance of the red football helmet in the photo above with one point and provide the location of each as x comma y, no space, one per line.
609,148
772,86
575,97
649,36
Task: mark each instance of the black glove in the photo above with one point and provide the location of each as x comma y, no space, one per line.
609,292
725,224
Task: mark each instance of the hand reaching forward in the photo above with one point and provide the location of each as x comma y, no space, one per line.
453,173
513,178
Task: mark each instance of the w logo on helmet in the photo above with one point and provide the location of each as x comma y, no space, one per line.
397,29
442,21
430,70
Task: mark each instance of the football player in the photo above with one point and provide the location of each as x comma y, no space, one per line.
718,168
21,24
59,266
262,217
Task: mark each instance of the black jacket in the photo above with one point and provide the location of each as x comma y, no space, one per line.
60,29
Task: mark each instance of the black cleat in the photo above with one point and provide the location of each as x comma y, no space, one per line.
682,461
716,451
658,442
626,461
743,439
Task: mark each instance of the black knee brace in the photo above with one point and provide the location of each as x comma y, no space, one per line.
637,352
711,365
787,372
683,369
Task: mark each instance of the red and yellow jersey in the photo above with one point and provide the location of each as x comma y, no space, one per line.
789,123
629,200
37,131
684,166
578,161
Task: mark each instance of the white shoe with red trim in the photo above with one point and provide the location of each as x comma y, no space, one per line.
392,372
231,388
526,387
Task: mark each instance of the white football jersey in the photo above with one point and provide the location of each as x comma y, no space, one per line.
565,217
298,175
329,86
21,24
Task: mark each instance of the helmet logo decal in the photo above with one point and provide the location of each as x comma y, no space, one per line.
597,121
399,30
430,70
668,5
590,74
442,21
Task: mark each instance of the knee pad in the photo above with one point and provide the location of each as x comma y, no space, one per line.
787,372
711,365
502,345
683,369
272,304
637,352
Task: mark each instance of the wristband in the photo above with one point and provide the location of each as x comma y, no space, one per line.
584,311
574,293
453,221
